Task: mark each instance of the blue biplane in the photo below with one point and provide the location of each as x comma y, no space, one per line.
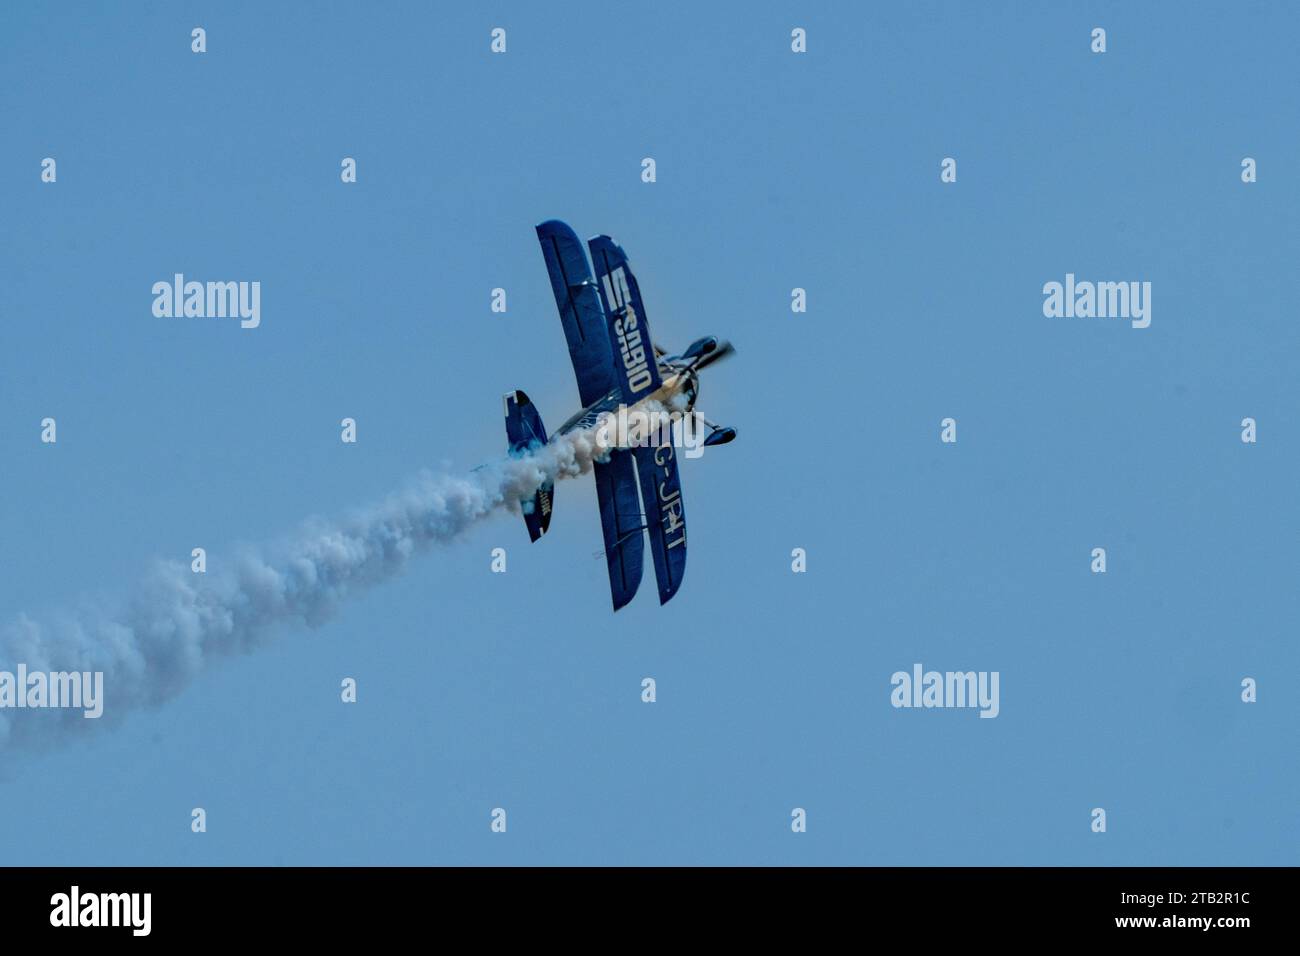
617,364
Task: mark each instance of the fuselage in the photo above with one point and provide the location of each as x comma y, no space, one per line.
677,381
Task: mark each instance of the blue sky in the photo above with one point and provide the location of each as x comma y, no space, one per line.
775,170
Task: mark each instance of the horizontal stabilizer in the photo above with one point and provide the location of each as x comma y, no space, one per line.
525,432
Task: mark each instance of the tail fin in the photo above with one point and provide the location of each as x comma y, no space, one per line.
524,431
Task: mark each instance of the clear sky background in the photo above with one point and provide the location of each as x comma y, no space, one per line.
775,170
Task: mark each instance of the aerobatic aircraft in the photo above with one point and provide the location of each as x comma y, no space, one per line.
617,364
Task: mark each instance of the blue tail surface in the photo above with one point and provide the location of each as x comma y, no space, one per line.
525,431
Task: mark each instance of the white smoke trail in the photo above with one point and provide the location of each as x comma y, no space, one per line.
178,621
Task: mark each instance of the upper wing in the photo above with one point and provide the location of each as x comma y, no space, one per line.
635,365
580,310
585,331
